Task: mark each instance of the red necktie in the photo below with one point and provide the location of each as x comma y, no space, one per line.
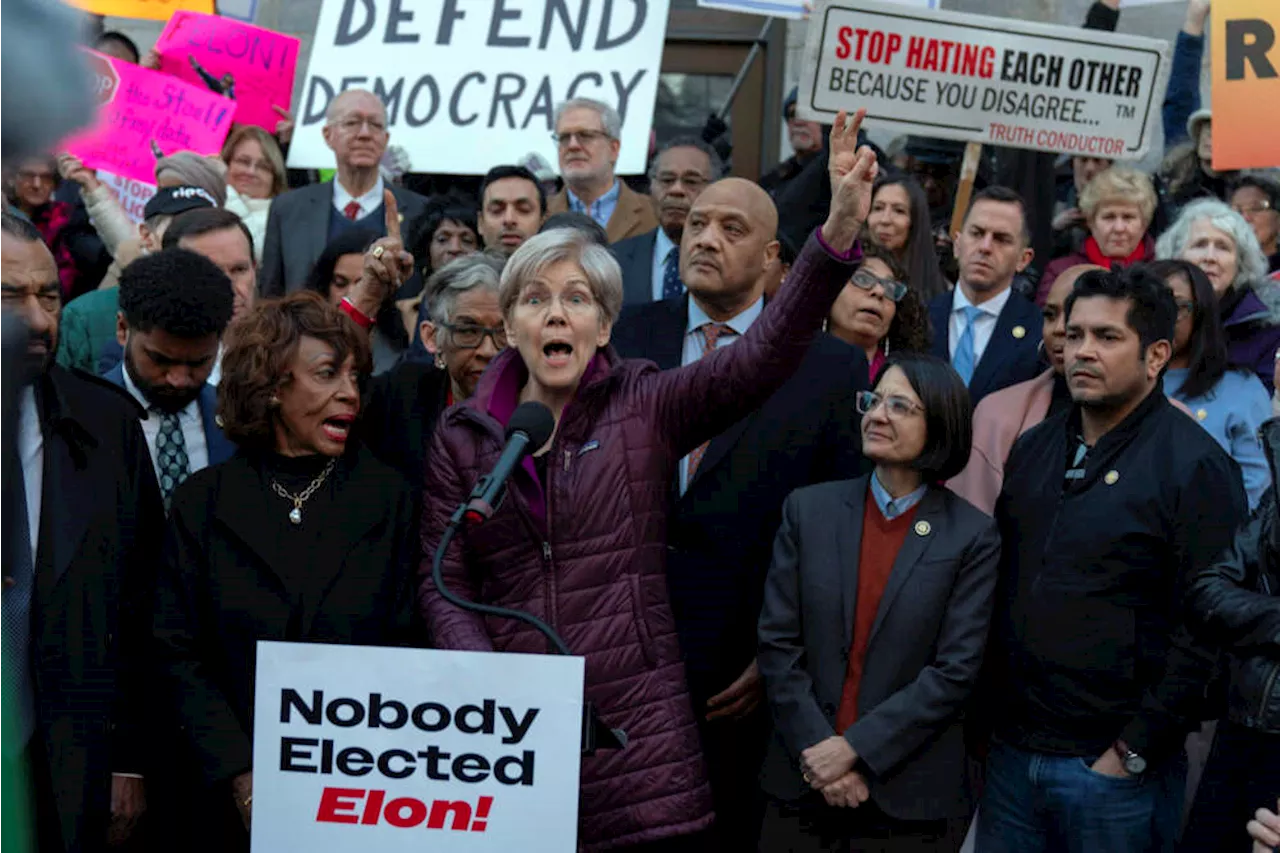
711,333
352,210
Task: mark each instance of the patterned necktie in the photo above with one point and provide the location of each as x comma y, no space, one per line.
171,455
711,333
965,358
352,210
15,609
671,285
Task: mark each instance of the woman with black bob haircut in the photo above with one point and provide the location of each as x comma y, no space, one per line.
899,221
870,747
1231,403
450,232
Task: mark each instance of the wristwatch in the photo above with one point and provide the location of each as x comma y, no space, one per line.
1134,764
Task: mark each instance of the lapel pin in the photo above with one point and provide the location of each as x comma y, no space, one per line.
1019,332
1112,477
923,528
1201,414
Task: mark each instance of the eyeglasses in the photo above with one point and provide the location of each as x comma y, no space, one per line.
353,124
692,180
36,177
252,165
471,337
893,290
585,137
897,407
1185,307
1252,209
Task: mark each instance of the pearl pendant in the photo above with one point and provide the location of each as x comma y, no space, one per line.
295,515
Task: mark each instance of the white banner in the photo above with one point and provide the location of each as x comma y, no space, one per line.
980,79
133,195
389,749
469,86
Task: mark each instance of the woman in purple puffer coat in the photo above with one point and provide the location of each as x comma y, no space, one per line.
580,540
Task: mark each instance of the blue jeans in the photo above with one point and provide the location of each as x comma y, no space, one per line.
1034,803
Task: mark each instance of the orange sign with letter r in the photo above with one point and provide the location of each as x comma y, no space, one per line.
1245,54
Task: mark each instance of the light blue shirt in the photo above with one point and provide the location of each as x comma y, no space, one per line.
662,246
890,507
693,342
601,209
1232,411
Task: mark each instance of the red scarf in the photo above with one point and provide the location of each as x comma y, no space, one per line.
1094,253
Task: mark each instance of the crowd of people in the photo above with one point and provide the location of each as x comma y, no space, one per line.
802,432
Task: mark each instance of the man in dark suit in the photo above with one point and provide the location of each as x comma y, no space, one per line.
651,261
303,221
730,492
75,614
174,306
989,333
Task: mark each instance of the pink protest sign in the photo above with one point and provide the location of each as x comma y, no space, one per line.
139,110
252,65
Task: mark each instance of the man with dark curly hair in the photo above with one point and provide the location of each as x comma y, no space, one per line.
174,306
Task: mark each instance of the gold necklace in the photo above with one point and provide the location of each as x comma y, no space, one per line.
295,514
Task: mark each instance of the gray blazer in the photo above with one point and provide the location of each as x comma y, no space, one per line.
922,660
298,230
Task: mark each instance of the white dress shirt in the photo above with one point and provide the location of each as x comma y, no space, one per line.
368,202
661,248
31,452
188,419
693,341
984,326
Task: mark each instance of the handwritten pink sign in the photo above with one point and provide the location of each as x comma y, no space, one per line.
139,109
252,65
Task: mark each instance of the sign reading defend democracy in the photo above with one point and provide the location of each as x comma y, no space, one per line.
136,107
980,79
261,62
469,86
1245,55
395,749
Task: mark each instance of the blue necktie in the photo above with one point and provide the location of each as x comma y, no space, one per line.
965,358
171,455
15,610
671,285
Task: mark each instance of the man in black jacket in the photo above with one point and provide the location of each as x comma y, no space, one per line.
729,501
86,520
1107,512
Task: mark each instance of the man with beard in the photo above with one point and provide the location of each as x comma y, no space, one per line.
512,205
87,522
174,306
807,140
651,261
728,505
1108,511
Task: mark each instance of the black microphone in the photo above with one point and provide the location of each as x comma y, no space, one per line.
530,427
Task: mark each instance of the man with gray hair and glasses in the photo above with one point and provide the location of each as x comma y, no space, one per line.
303,221
650,262
587,138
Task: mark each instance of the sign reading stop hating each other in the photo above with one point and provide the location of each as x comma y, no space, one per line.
393,749
1245,55
981,79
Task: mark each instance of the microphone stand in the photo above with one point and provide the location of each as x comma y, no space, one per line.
595,733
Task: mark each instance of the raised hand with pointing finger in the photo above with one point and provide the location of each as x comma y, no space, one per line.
386,266
853,172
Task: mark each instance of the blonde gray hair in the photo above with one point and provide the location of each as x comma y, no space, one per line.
1119,184
564,244
609,117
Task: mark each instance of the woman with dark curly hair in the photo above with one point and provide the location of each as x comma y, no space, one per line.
878,312
301,536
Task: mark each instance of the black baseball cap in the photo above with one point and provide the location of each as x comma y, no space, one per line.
170,201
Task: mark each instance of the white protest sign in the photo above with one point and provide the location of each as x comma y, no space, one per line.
980,79
133,195
794,9
391,749
469,86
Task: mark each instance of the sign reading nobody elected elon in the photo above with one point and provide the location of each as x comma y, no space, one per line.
391,749
981,79
471,85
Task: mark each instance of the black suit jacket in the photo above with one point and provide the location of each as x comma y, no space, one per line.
922,660
1012,355
635,256
100,521
228,578
298,231
400,413
720,532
